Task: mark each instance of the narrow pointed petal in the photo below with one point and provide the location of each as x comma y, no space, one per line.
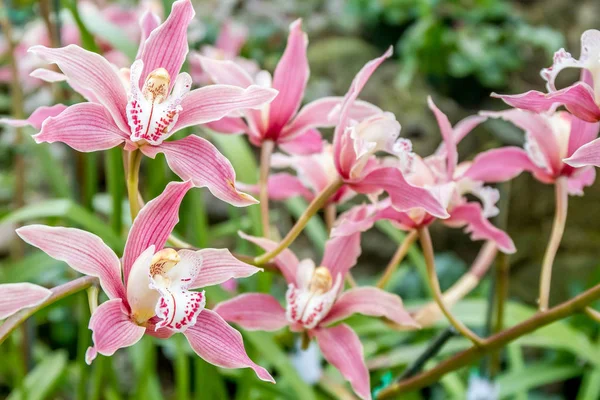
221,345
499,165
448,137
341,254
148,22
216,266
465,126
356,220
224,72
581,133
112,329
342,349
92,76
588,154
167,45
82,251
290,78
286,261
17,296
47,75
479,227
282,186
154,223
578,98
231,37
196,159
37,117
229,125
85,127
213,102
580,179
253,311
308,142
370,301
404,196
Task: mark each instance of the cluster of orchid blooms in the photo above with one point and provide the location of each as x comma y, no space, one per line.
152,289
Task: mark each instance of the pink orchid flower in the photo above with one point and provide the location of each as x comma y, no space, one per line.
442,176
281,121
549,139
17,296
156,294
582,98
315,300
154,107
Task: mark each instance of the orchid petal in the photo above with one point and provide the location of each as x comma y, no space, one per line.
588,154
213,102
286,261
231,38
581,133
342,349
580,179
356,220
112,329
221,345
370,301
253,311
480,228
308,142
225,72
341,254
154,223
196,159
228,125
37,117
403,195
17,296
500,165
85,127
167,45
92,76
148,22
282,186
466,125
448,137
216,266
47,75
82,251
290,78
178,308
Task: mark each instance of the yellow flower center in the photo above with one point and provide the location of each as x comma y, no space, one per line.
164,261
156,87
321,281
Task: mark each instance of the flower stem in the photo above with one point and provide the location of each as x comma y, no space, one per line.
330,215
265,166
558,228
433,348
427,248
502,268
58,293
397,258
133,178
315,205
494,342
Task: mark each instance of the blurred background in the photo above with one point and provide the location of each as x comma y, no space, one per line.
456,51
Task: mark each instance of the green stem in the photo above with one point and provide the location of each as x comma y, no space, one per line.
494,342
182,369
558,228
58,293
265,166
397,258
317,203
133,177
114,182
82,345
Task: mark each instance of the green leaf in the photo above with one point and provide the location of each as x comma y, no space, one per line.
41,382
538,374
113,34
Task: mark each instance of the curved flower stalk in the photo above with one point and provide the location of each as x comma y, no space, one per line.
144,107
315,301
582,98
155,294
17,296
442,177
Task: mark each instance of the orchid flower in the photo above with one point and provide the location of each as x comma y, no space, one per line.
281,121
156,293
582,98
17,296
442,176
157,103
315,300
549,139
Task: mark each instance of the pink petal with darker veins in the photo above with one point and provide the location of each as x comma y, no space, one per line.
221,345
37,117
224,72
92,76
253,311
282,186
213,102
148,22
290,78
154,223
112,329
341,254
196,159
370,301
581,133
308,142
403,195
167,45
479,227
588,154
342,349
286,261
85,127
82,251
228,125
17,296
499,165
48,75
216,266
